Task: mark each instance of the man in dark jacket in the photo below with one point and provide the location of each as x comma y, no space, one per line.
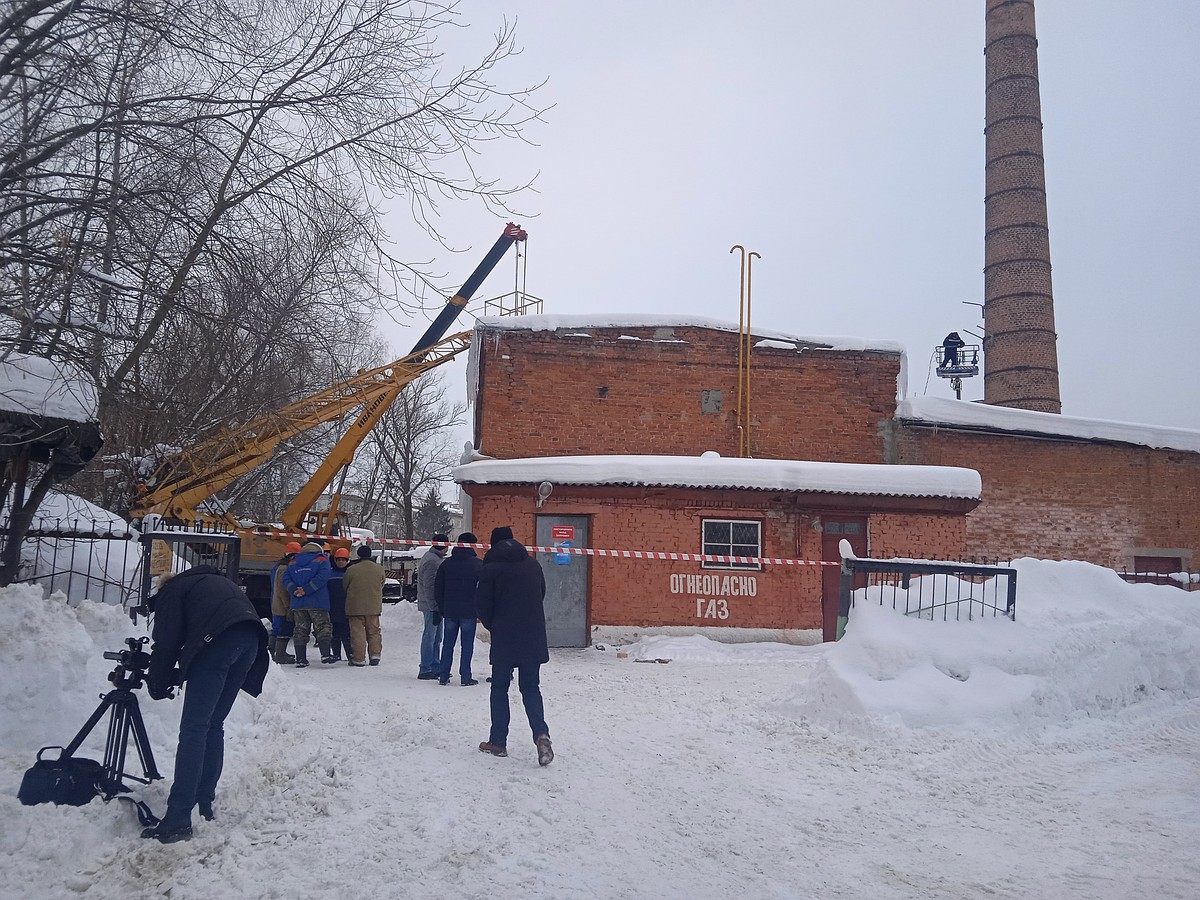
454,593
509,599
207,635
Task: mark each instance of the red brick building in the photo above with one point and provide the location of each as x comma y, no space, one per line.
893,478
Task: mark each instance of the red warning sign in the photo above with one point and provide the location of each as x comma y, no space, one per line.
562,532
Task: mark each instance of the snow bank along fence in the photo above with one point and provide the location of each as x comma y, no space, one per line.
110,563
82,559
928,590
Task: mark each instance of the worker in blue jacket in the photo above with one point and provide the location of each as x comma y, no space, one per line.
306,580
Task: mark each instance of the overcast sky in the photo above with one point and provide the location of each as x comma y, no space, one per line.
844,142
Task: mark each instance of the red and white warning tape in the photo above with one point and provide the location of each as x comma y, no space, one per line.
577,551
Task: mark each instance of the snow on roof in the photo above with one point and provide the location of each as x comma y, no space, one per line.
713,471
634,320
940,411
45,387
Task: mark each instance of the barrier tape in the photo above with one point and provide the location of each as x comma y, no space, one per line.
574,551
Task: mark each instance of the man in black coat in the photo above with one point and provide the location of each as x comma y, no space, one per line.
509,601
454,593
207,635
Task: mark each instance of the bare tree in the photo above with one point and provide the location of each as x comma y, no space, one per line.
410,452
190,192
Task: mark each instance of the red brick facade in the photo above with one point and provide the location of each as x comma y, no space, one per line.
643,593
644,390
652,391
1067,499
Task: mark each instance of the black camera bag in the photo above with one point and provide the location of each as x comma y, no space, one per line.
72,780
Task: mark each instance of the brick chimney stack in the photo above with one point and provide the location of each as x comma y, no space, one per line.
1020,353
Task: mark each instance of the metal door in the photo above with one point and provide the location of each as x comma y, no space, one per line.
833,531
566,582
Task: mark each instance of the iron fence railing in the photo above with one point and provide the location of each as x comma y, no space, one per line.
928,590
1188,581
83,559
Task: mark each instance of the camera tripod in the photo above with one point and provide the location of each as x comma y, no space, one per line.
125,718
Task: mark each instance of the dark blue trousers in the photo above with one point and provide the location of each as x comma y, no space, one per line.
451,628
531,695
213,680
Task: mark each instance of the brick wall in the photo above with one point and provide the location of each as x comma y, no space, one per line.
545,393
643,593
1063,499
1043,497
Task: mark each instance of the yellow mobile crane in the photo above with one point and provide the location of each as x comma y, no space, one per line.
182,482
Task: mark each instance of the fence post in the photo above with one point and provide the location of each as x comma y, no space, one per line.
844,594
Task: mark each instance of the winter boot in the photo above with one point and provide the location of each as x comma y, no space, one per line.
544,749
281,655
301,655
349,649
169,833
327,656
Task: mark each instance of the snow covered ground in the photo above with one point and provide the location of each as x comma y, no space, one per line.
1058,756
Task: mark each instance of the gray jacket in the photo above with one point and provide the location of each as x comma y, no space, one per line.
426,575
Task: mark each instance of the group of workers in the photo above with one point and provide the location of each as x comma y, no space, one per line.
339,602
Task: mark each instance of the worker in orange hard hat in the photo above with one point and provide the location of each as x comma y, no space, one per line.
281,608
337,604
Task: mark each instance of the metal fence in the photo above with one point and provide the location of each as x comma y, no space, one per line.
98,561
110,563
929,590
1188,581
176,549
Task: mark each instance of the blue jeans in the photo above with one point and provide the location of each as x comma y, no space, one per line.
531,696
431,644
452,628
213,680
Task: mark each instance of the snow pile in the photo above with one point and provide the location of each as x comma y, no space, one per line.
44,387
697,648
913,759
1084,643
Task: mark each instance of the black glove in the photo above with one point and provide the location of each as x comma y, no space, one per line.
158,691
437,618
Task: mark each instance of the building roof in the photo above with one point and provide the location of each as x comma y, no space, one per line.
579,324
982,417
714,471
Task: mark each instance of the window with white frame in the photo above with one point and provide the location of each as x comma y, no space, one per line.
731,537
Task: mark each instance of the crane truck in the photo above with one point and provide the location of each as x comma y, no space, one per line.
177,490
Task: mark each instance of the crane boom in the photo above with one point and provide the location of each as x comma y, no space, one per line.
512,233
188,478
183,481
342,454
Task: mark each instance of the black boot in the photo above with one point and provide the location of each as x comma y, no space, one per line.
301,654
326,652
281,655
349,649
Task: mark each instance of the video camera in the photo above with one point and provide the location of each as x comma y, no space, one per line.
132,664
